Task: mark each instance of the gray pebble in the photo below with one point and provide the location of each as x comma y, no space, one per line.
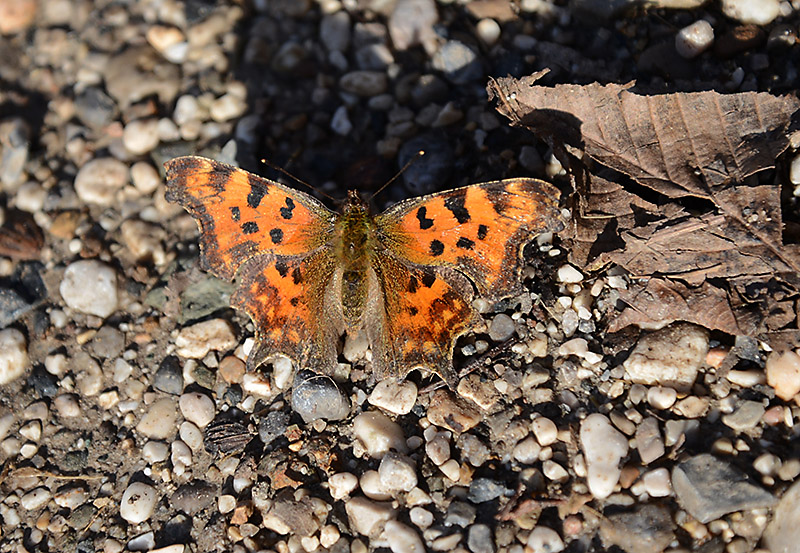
458,62
334,31
193,497
14,137
746,416
107,343
648,529
502,328
95,108
708,488
272,426
460,513
485,489
169,376
142,542
364,83
430,170
317,397
479,539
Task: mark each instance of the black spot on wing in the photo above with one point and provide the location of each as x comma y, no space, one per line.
483,230
257,192
436,248
498,198
281,267
250,227
297,276
413,285
413,311
294,301
276,235
236,214
428,279
455,203
424,222
465,243
286,212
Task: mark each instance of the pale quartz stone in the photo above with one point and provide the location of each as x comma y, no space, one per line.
421,517
451,470
657,483
368,517
378,434
397,472
160,420
13,355
34,499
155,452
554,472
328,535
226,503
568,274
783,374
194,342
402,538
661,397
438,448
138,502
197,408
545,540
603,448
527,451
694,39
371,485
397,397
342,484
545,431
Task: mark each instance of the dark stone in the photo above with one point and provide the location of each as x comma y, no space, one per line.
95,108
81,516
193,497
272,426
428,172
460,513
44,383
169,376
107,343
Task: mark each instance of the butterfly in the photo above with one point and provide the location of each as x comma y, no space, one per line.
405,278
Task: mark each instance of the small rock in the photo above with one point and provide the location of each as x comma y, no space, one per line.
367,517
648,529
412,23
755,12
155,452
194,342
670,357
568,274
709,488
95,108
693,40
340,122
99,180
545,431
160,420
272,426
364,83
397,472
166,40
501,328
479,539
458,62
448,411
316,396
169,376
603,448
460,513
138,502
545,540
648,440
15,146
657,483
746,417
783,533
107,343
67,406
402,538
485,489
34,499
16,15
334,31
342,484
489,31
13,355
378,434
141,136
90,286
197,408
143,240
193,497
661,397
783,374
228,106
145,177
395,396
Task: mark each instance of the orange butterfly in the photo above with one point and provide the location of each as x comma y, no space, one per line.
406,278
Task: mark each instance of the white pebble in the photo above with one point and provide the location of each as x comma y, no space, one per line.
422,518
767,464
328,535
197,408
402,538
554,472
6,422
194,342
378,434
603,448
35,499
671,356
226,107
138,502
367,517
397,472
90,286
226,503
568,274
160,420
342,484
794,171
56,364
657,483
451,469
783,373
256,384
370,483
438,448
67,406
694,39
13,355
545,540
191,435
155,452
754,12
71,497
746,378
282,371
31,431
527,451
661,397
98,181
181,456
140,136
145,177
30,197
545,431
489,31
340,122
395,396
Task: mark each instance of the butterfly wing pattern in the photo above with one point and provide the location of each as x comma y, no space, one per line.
470,236
405,278
273,238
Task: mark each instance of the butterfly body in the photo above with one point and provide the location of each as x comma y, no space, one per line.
404,279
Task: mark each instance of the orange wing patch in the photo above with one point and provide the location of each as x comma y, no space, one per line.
241,215
477,229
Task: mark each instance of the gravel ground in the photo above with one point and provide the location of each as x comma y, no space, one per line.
127,421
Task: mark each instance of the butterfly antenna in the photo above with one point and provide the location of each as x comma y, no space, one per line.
418,155
291,176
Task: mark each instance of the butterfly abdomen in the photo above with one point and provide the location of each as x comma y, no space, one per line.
353,243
